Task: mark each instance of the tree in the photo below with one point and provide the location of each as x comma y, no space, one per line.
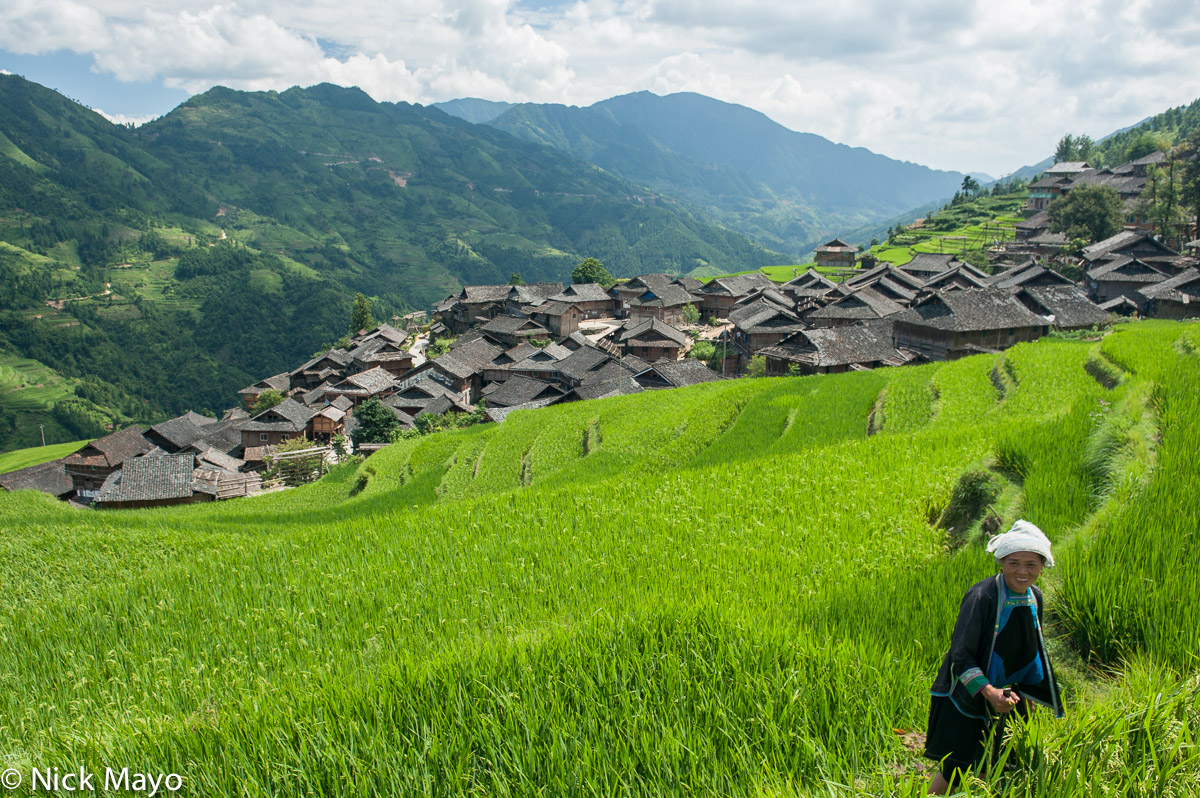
691,314
592,271
1191,174
376,422
1092,212
515,279
438,347
1065,149
360,315
1162,199
1146,143
266,400
702,350
970,185
1074,148
757,367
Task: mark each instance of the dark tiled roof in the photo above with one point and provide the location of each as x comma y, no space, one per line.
469,359
971,309
179,432
280,382
653,328
680,373
498,414
1048,182
837,245
1065,306
1117,304
577,365
552,308
912,282
1033,273
1067,167
47,477
1183,287
479,294
738,285
218,459
371,381
1109,245
926,263
518,390
533,292
1039,221
810,279
768,295
288,412
111,450
669,296
956,276
507,325
150,479
606,388
224,436
829,347
582,292
865,305
1124,269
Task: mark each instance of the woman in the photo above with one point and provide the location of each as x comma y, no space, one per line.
997,661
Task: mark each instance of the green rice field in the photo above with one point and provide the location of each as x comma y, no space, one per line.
23,458
739,588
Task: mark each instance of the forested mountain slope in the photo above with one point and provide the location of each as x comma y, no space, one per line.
224,242
788,190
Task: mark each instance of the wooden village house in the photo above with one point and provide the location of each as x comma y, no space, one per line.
951,325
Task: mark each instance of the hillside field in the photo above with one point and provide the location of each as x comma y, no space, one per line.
740,588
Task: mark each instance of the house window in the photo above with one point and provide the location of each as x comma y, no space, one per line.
262,436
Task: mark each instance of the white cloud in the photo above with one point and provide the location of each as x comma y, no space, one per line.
122,119
962,84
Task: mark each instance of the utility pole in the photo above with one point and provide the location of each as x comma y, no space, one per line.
42,427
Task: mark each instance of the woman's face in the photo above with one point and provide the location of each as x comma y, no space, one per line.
1021,569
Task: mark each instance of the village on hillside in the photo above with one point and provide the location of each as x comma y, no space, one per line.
495,349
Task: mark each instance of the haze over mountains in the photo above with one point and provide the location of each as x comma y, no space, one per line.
785,189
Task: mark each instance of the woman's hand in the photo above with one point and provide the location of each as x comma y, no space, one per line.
1002,701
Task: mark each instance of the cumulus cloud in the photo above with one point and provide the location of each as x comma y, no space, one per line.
122,119
962,84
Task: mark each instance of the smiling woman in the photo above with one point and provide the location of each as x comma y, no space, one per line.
986,677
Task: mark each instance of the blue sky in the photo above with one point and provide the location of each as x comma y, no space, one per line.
971,85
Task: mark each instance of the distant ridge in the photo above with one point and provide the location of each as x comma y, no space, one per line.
473,110
785,189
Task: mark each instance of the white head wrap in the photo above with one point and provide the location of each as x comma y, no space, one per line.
1023,536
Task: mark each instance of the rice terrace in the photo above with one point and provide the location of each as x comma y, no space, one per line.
748,596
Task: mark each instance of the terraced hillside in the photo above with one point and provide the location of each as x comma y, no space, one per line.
740,588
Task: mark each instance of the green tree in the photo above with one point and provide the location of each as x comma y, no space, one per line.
376,422
757,367
1146,143
266,400
1092,212
702,350
439,347
1065,150
360,315
1162,200
1190,183
515,279
691,314
970,185
592,271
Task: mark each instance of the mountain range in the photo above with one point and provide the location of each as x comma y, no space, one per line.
787,190
225,242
